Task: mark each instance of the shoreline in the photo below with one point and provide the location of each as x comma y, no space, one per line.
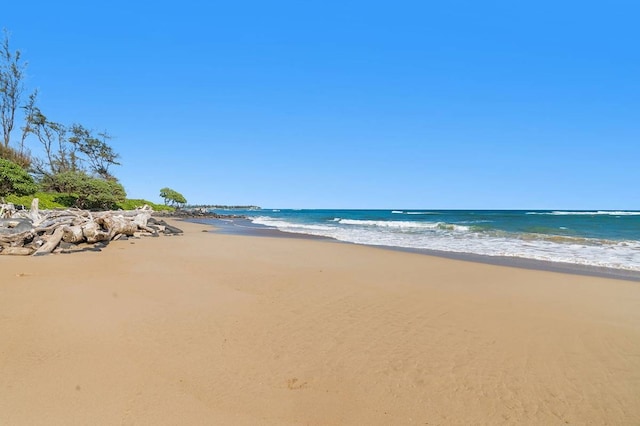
207,328
240,226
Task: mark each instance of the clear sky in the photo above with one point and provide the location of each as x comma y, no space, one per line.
350,104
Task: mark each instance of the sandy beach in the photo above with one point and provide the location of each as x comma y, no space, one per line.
208,329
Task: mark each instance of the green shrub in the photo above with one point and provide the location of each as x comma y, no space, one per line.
15,180
80,190
55,200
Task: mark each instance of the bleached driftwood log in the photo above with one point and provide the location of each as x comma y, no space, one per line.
141,220
35,231
94,233
51,242
7,210
15,239
117,225
17,251
34,212
72,234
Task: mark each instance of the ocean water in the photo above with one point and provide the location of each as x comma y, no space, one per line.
608,239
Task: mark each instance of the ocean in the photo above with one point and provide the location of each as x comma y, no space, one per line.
601,239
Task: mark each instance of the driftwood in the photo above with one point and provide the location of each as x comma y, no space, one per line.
72,234
51,243
117,225
17,251
17,239
38,232
94,233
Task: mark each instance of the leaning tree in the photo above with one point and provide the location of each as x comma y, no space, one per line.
172,197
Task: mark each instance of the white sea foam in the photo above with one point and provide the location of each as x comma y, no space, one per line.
457,239
291,227
403,212
407,225
389,224
589,213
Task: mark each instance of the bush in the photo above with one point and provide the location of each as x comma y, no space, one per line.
80,190
15,180
55,200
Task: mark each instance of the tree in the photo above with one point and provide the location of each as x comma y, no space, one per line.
15,180
68,149
172,197
30,110
11,87
97,151
52,136
80,157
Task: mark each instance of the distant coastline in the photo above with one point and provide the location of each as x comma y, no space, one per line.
220,207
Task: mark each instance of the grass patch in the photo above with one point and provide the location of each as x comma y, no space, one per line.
54,200
133,203
48,200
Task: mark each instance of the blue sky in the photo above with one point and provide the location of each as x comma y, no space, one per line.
350,104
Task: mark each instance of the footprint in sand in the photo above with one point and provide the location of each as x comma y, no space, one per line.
295,384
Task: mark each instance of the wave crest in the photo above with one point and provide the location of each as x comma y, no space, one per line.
588,213
396,224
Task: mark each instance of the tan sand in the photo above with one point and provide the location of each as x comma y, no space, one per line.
208,329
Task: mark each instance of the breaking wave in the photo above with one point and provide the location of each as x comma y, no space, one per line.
588,213
456,238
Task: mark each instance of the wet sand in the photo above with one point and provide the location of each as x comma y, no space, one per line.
239,330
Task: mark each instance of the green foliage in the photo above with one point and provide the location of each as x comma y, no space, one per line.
172,197
86,192
76,162
98,153
15,180
132,204
55,200
47,200
66,148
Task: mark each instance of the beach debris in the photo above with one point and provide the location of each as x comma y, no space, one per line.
39,232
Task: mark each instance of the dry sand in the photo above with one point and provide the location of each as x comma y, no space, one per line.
208,329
